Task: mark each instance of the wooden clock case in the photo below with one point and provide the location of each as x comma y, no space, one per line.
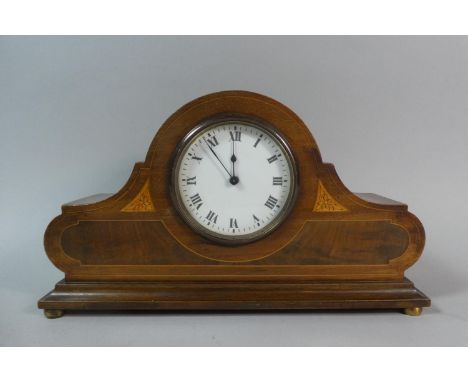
336,250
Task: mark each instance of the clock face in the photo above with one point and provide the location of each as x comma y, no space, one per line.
234,179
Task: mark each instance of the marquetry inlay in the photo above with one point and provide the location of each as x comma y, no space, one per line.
142,202
325,202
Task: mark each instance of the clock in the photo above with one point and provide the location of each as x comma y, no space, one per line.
234,179
234,208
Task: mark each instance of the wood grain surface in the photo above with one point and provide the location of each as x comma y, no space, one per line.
331,235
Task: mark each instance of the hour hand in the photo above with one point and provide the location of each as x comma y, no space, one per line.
234,179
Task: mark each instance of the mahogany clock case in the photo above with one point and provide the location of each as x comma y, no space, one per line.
335,250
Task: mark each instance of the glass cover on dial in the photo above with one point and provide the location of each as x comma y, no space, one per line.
234,180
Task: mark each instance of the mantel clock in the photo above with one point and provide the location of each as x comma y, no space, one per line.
234,209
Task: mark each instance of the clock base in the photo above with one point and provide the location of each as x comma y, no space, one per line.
305,295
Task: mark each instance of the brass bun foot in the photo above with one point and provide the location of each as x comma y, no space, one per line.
53,313
413,311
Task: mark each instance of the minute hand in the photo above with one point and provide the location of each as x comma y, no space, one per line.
216,156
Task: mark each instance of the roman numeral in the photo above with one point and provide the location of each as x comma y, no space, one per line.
196,201
212,217
192,180
258,140
272,159
271,202
256,220
194,157
233,223
212,141
277,181
235,135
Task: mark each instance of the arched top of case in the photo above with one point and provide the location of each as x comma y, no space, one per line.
232,102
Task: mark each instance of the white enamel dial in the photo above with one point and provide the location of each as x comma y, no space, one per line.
234,180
